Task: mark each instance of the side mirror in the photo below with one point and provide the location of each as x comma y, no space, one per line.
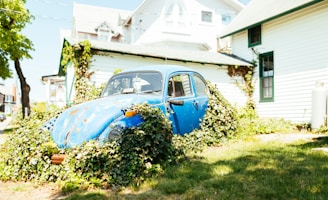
176,102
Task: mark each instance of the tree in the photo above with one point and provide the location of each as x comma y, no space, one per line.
14,45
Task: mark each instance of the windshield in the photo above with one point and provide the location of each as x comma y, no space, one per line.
134,82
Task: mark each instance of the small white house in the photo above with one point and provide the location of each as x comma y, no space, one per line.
182,32
109,57
288,39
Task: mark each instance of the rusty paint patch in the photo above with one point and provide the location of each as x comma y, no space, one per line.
73,112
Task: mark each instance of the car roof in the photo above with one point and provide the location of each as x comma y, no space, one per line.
165,69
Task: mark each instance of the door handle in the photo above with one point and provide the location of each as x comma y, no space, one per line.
195,103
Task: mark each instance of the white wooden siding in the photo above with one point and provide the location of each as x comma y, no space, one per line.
149,24
299,42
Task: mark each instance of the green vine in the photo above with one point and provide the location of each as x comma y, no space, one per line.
80,55
247,84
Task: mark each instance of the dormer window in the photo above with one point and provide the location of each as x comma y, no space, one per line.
207,16
175,15
104,32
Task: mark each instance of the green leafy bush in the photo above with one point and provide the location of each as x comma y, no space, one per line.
251,124
221,119
220,123
138,153
27,152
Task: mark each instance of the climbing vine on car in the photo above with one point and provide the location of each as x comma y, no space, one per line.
140,152
219,123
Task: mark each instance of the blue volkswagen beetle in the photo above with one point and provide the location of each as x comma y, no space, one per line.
181,94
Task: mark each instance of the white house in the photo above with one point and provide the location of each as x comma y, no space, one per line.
288,39
109,57
7,99
181,24
179,32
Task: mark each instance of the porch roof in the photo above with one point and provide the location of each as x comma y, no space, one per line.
164,52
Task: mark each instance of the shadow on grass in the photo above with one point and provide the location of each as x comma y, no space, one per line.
82,195
273,172
9,130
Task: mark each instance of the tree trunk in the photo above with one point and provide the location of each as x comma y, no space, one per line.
25,89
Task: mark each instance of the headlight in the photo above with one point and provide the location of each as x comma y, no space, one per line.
115,132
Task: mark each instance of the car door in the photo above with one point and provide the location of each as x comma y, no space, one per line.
182,103
201,93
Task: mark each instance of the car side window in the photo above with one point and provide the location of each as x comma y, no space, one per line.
179,85
200,85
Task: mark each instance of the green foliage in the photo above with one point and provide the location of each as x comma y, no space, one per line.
27,153
322,128
13,44
220,120
247,83
140,152
80,55
220,123
250,124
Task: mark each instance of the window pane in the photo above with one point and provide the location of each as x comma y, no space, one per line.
267,66
255,35
226,19
267,87
200,85
186,84
179,85
206,16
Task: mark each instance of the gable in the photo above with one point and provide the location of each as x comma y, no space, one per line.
260,11
87,18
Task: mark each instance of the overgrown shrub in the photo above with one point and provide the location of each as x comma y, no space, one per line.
139,153
220,120
251,124
26,153
220,123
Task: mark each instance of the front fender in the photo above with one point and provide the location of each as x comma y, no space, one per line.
121,123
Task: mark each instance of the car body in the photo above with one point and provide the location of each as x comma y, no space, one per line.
2,117
180,93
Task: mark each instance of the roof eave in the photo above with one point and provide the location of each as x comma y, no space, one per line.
273,17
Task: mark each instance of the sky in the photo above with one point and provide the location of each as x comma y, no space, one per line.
52,16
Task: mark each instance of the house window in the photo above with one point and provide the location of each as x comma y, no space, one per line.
175,16
226,19
104,32
266,77
207,16
254,36
8,98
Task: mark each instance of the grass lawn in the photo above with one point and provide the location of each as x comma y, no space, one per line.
248,169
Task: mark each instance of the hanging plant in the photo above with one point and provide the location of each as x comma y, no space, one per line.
80,55
247,84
